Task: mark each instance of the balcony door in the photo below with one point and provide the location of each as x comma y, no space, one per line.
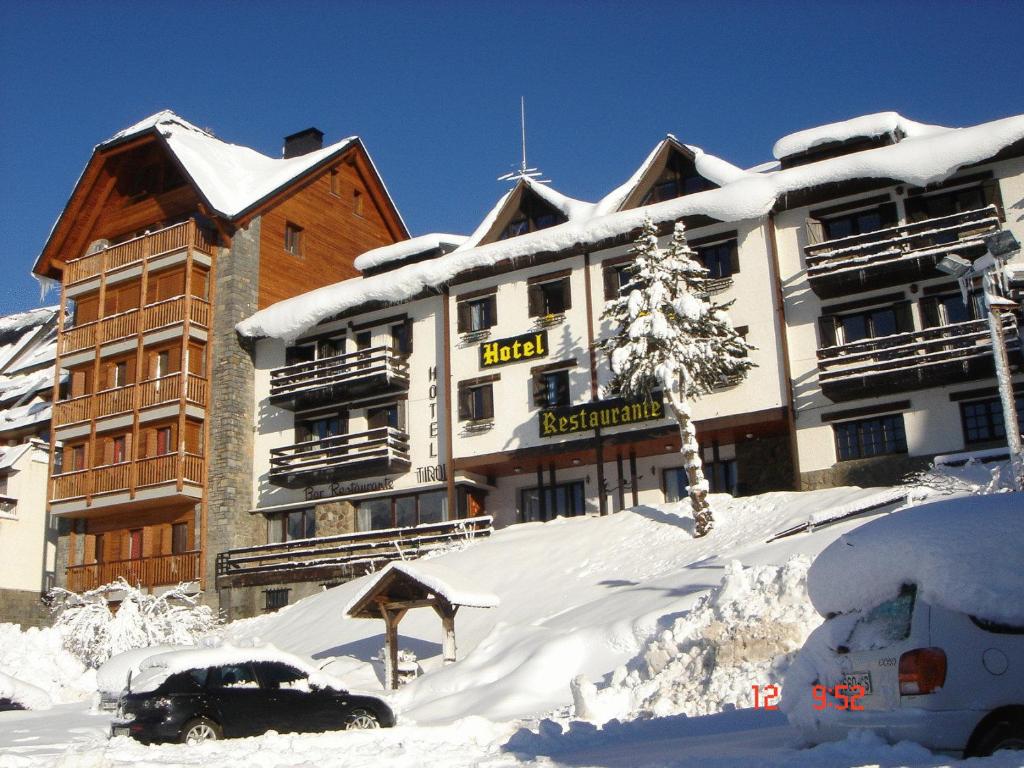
135,544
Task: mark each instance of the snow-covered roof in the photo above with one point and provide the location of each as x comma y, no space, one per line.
444,582
865,126
9,455
956,551
232,178
920,159
405,249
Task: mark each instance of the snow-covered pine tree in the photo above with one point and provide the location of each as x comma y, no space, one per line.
669,336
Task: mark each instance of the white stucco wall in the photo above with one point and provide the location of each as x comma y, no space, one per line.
27,539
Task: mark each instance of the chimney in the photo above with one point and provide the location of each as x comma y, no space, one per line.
303,142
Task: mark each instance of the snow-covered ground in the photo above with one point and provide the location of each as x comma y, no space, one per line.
628,615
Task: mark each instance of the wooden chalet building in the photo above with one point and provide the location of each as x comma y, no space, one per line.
170,238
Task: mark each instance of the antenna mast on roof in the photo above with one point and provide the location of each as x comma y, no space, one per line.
524,171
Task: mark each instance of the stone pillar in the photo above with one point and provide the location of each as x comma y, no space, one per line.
231,409
63,551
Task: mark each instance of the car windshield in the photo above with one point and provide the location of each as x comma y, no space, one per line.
884,624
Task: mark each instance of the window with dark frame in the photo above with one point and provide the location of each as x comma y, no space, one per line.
864,438
720,259
275,599
164,441
402,511
293,239
179,538
616,278
401,337
866,324
950,309
476,401
561,500
982,420
550,297
390,415
551,388
477,314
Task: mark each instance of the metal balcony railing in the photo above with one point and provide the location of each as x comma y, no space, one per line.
336,378
339,458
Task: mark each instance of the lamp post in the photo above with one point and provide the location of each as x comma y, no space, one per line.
1000,246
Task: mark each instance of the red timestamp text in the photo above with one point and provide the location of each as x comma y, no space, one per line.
766,696
845,697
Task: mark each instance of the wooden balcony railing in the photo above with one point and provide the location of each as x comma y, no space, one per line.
157,243
338,377
196,389
119,326
79,337
111,402
156,470
341,457
914,360
161,390
73,411
896,254
347,554
114,401
144,571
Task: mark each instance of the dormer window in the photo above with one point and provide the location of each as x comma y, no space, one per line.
678,178
534,214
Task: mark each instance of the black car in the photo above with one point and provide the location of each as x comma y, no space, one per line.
244,699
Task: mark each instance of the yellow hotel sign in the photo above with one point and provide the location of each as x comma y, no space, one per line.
512,350
605,413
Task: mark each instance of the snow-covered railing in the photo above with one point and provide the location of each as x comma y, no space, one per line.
911,360
172,238
346,554
339,457
930,239
339,376
142,571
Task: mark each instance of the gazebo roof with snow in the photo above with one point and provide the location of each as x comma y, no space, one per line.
416,585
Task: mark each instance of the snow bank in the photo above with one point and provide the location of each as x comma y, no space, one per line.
960,552
740,635
406,248
26,694
927,155
866,126
37,657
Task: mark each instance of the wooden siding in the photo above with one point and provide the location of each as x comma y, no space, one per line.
333,234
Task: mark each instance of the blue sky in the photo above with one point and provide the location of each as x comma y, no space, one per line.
433,87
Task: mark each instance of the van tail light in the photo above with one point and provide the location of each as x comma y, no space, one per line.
922,670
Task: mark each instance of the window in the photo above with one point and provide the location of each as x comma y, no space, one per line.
164,441
401,337
865,438
950,308
100,555
476,400
163,363
335,179
678,178
403,511
120,371
859,222
616,278
326,348
120,449
233,676
300,524
293,239
562,500
135,544
676,483
721,259
533,214
549,297
551,388
179,538
721,477
982,420
477,314
391,415
275,600
321,427
972,198
867,324
77,458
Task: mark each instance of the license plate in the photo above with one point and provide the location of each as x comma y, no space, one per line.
120,730
863,679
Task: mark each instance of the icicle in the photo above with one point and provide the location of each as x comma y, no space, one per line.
46,284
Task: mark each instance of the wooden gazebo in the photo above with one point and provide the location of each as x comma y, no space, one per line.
402,586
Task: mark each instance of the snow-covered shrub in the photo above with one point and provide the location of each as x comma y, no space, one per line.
93,632
743,633
35,659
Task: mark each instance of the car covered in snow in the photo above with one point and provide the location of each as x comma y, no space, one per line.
924,633
207,694
114,674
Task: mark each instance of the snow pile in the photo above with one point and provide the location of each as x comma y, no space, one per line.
34,664
927,155
960,552
93,633
866,126
404,249
740,635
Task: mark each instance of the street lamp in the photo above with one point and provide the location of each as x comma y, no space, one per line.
999,247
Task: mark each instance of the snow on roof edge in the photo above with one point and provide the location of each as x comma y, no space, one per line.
403,249
862,126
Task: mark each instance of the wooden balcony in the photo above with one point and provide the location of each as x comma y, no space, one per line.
172,311
147,572
343,555
111,402
903,362
340,378
344,457
896,255
174,238
170,468
126,324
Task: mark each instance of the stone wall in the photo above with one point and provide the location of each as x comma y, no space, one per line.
245,602
230,461
764,464
880,470
335,518
18,606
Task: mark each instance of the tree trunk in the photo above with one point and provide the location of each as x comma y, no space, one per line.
702,518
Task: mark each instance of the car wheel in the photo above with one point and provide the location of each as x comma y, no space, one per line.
361,719
1005,733
199,730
